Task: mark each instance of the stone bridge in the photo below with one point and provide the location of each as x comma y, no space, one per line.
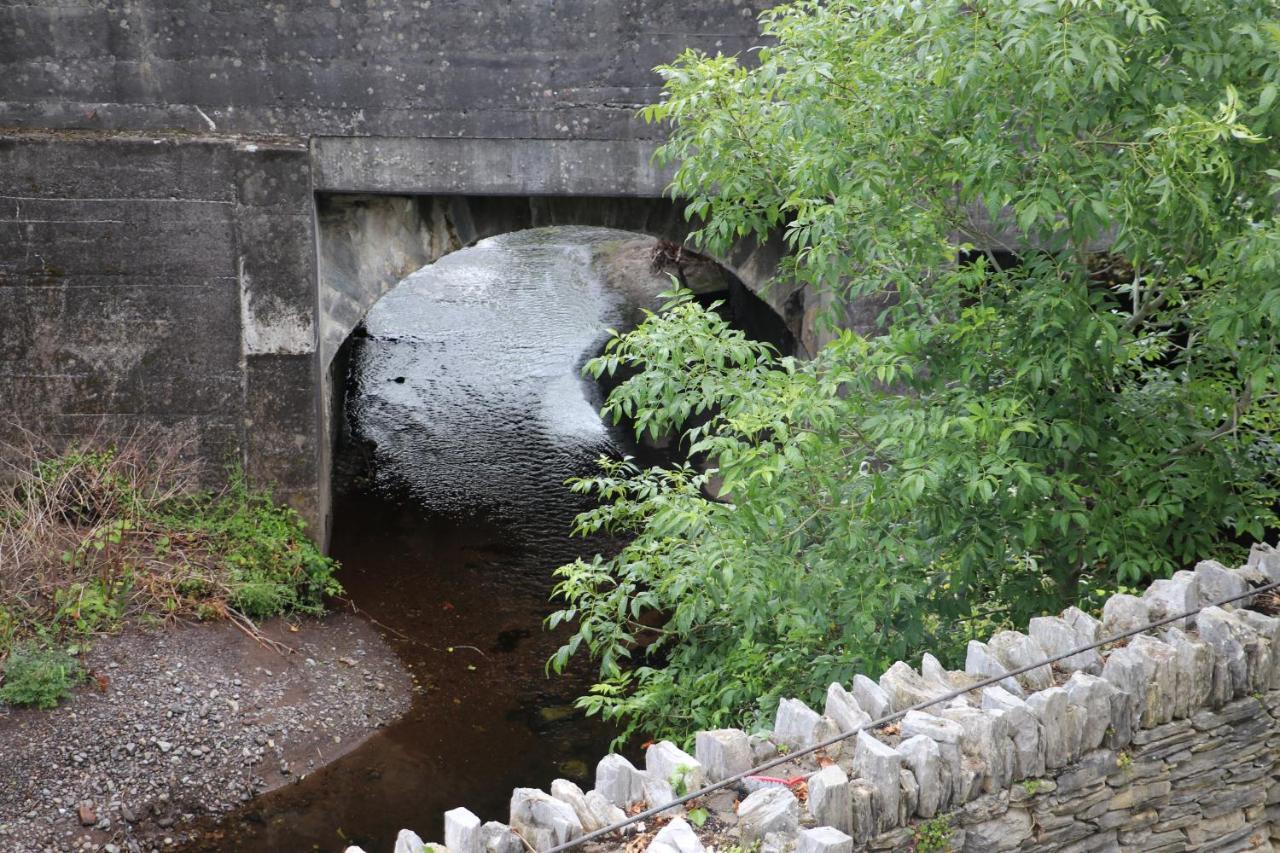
199,199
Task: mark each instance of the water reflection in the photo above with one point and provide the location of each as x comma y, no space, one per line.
466,414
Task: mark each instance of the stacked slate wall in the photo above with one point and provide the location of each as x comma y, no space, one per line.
1168,740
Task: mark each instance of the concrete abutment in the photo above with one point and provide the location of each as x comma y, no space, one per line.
202,284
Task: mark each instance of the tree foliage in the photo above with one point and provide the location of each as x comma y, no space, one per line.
1015,434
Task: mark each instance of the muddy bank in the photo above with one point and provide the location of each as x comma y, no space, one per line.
178,724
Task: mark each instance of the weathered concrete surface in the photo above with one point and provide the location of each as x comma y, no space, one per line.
548,69
163,281
160,262
519,167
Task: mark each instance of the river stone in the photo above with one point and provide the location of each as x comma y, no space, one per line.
871,698
498,838
766,811
1195,672
1050,708
1268,630
1127,672
1056,637
1162,679
905,687
1087,628
723,753
923,756
1003,833
1124,612
603,812
795,724
1076,718
880,765
947,734
1217,628
824,839
669,763
910,799
932,670
829,802
844,709
1266,559
676,837
408,841
542,820
567,792
861,794
828,731
980,661
462,831
1170,596
1016,650
986,741
1218,582
1024,731
618,781
763,747
1094,696
659,792
778,842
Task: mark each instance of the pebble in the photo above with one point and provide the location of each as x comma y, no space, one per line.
136,765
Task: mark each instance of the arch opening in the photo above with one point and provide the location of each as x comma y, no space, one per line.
471,365
367,243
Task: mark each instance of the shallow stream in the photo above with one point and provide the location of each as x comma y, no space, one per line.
465,413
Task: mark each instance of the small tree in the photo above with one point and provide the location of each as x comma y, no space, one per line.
1098,413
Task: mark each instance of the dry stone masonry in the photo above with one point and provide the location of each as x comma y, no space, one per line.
1166,741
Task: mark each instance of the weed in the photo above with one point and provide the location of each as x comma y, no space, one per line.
679,780
95,536
1031,786
933,835
271,566
1124,761
39,677
753,847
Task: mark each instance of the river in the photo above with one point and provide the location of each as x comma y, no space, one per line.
465,414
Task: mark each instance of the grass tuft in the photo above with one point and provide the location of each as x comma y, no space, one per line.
101,534
39,676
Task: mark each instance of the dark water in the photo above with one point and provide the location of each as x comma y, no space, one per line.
466,413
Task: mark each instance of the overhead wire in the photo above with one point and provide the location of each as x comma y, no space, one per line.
895,716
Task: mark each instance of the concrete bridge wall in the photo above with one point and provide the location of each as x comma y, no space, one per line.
161,160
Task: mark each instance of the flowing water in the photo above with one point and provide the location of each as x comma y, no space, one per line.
466,413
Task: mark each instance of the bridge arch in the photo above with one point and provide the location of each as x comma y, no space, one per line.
368,243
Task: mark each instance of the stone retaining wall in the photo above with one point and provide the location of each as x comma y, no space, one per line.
1167,741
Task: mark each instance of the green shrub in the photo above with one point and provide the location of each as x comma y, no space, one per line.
37,676
933,836
1057,223
93,538
271,566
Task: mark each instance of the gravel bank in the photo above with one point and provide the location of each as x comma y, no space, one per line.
178,724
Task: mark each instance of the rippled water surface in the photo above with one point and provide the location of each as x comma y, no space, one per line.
466,413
